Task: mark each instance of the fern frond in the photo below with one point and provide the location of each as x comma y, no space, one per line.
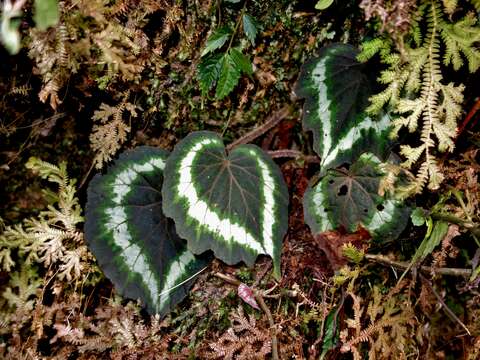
416,92
23,90
372,47
476,4
108,136
461,37
450,6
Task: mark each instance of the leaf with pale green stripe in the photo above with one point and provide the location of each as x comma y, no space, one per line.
134,243
336,91
349,198
235,204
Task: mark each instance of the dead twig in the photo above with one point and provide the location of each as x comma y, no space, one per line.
449,312
469,117
275,154
271,122
426,269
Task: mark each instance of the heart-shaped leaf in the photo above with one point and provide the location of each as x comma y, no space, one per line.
349,198
235,205
336,92
134,243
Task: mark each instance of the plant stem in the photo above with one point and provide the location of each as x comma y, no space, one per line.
237,25
273,329
474,229
264,307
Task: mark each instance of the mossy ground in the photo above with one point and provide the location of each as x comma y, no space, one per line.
85,320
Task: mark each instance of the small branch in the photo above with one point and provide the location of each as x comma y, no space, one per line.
227,279
275,154
237,25
469,117
427,269
271,122
449,312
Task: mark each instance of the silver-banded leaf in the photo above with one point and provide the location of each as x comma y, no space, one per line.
235,205
336,92
349,198
9,24
134,243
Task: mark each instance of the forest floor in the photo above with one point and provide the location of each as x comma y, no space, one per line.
325,305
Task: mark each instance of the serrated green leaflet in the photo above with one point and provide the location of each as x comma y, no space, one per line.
228,77
217,40
235,205
208,72
349,198
242,62
249,27
336,92
134,243
224,70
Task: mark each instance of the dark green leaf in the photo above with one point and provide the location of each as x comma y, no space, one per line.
350,198
235,205
46,13
250,28
134,243
208,71
242,62
336,92
217,40
228,78
330,339
439,231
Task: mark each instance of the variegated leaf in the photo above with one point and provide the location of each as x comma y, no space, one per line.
336,92
235,205
134,243
349,198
